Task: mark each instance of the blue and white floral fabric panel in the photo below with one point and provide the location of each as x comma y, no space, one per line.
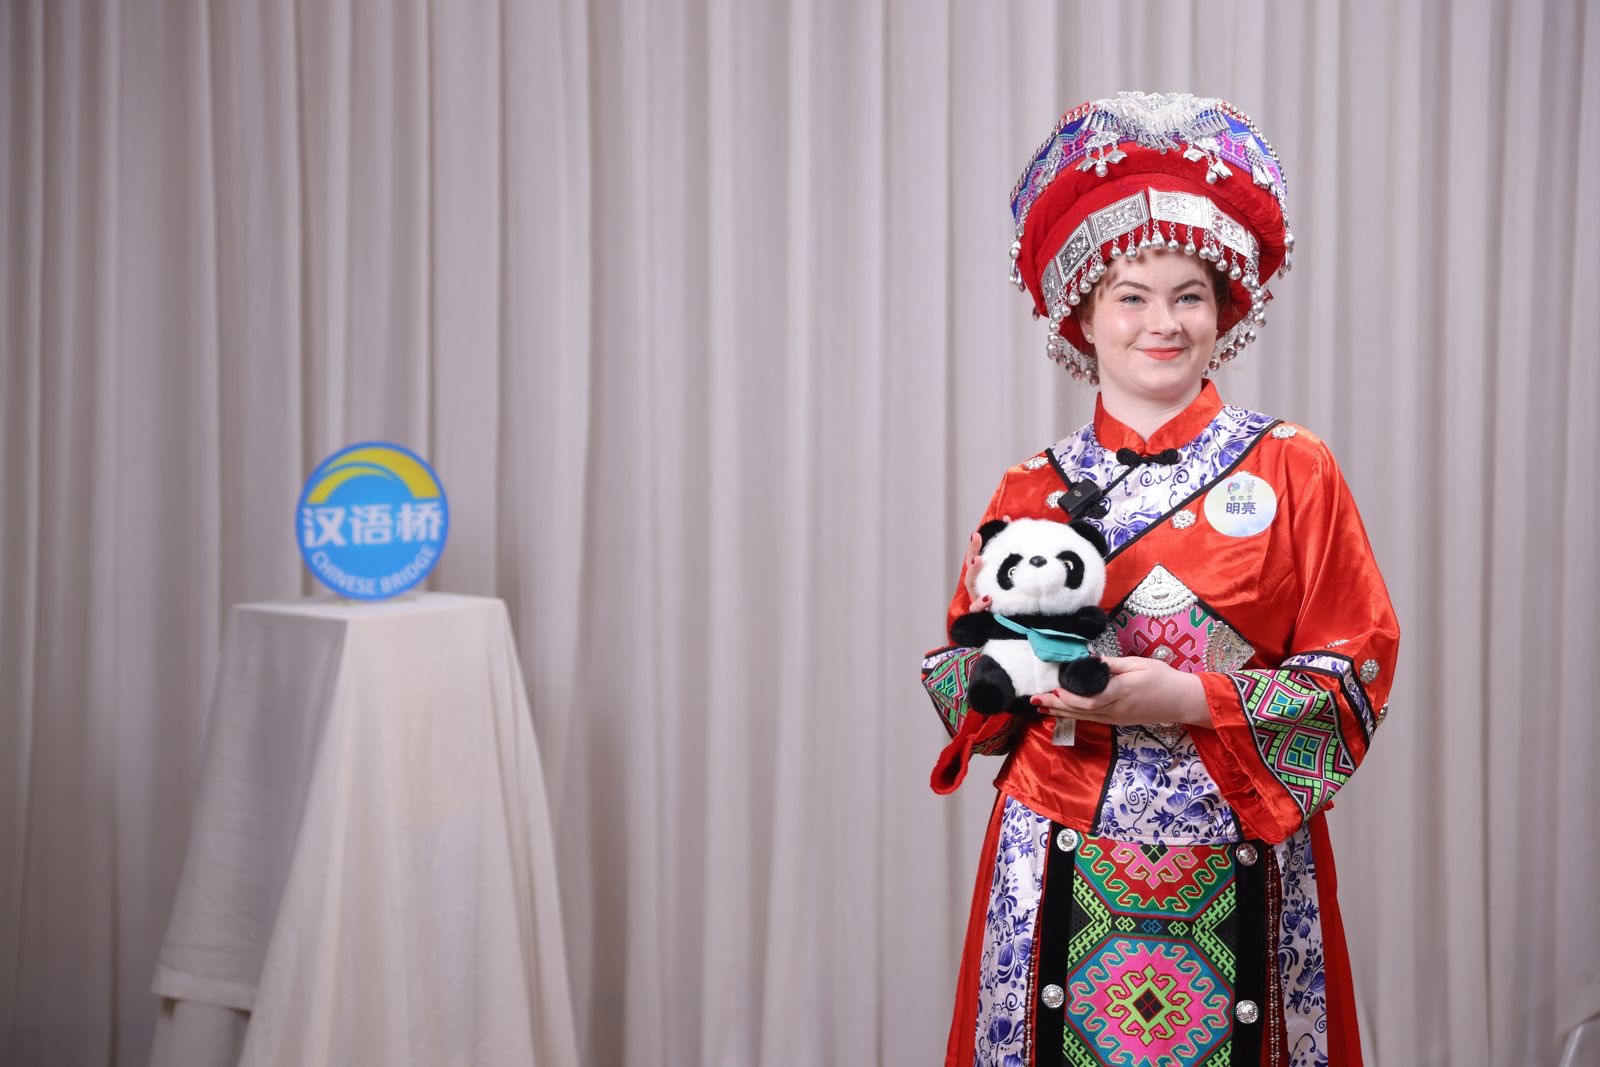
1301,963
1155,489
1009,936
1160,793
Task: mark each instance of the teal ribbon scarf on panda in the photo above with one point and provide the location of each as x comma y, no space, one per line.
1052,646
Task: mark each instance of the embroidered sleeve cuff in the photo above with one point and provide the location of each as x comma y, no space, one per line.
944,675
1231,755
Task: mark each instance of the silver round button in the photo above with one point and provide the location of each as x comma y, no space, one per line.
1247,854
1067,840
1246,1011
1054,996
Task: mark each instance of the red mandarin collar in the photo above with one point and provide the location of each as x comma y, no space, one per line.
1174,433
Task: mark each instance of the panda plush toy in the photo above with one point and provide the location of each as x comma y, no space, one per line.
1045,580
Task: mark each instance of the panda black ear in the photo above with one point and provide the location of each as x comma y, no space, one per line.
1091,535
987,531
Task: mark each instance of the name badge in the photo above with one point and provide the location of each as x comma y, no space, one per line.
1241,505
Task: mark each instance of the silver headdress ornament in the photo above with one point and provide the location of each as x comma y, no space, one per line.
1147,170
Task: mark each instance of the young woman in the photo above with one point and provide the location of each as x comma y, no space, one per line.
1161,889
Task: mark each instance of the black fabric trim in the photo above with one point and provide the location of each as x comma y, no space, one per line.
1347,680
1051,938
1105,784
1306,668
1185,502
1251,982
1354,678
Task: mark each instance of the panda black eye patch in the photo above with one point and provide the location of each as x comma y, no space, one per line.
1074,564
1006,567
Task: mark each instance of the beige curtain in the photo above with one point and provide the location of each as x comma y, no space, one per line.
700,309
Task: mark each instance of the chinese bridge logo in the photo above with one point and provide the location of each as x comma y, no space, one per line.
372,521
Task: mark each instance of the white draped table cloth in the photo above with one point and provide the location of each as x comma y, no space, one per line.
370,872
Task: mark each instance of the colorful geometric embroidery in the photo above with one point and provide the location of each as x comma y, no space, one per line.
1008,936
1343,669
1145,1003
1151,964
1164,881
1296,728
944,676
1164,619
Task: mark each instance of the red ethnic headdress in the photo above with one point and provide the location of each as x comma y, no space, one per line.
1138,171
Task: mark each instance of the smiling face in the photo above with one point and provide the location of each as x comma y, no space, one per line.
1153,324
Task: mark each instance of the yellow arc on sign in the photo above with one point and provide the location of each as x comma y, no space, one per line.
382,462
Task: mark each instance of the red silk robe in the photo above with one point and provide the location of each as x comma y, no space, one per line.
1161,894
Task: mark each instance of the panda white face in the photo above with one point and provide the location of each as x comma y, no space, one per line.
1039,567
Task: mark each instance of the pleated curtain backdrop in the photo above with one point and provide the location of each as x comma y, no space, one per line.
700,309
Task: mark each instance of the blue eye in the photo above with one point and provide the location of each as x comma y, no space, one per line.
1132,298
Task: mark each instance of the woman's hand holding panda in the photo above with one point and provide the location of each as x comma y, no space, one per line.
970,567
1142,692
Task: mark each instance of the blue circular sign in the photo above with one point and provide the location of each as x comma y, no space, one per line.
372,520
